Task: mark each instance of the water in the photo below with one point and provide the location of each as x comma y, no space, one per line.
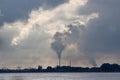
60,76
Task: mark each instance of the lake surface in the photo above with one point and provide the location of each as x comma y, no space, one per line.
60,76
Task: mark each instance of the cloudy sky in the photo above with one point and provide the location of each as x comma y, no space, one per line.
32,31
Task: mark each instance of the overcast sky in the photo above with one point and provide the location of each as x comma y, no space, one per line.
90,30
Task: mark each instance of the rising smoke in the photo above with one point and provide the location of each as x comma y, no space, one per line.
58,45
91,58
71,36
75,32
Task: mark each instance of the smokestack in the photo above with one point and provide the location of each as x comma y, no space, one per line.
70,63
59,61
59,53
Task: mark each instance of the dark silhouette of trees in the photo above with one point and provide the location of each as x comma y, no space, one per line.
106,67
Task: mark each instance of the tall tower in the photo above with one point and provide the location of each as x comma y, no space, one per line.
59,62
59,59
70,63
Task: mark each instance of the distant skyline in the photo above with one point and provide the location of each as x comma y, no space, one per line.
85,32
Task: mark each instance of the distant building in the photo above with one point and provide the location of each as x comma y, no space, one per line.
39,68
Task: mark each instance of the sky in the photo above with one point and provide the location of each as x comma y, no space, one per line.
34,32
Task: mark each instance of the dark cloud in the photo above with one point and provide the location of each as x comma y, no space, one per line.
103,34
19,9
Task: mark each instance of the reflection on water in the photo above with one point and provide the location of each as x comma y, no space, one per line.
12,78
17,78
61,76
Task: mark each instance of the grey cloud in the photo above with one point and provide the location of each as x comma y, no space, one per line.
103,34
31,51
20,9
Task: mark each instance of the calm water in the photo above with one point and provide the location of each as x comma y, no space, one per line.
61,76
